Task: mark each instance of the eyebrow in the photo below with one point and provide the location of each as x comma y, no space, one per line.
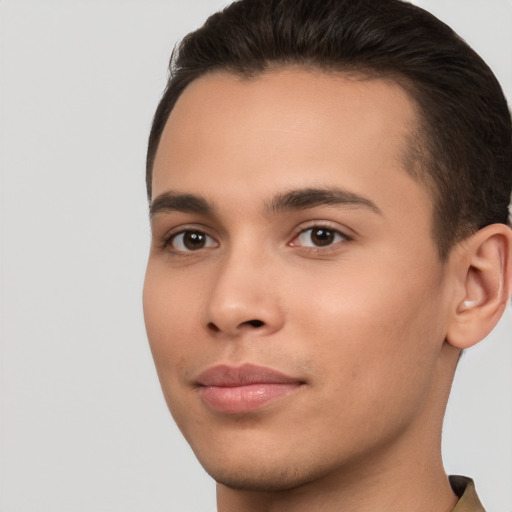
174,202
299,199
303,199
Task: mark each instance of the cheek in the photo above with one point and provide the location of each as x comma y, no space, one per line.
375,353
170,327
376,330
169,317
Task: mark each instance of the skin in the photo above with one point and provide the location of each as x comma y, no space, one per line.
361,322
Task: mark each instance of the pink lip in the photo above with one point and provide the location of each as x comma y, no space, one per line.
244,388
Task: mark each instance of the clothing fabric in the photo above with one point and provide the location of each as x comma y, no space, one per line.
464,488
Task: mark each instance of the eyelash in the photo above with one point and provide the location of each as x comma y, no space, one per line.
326,227
337,237
168,241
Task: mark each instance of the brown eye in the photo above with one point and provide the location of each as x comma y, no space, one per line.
319,237
187,241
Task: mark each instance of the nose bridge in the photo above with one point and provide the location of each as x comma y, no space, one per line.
242,296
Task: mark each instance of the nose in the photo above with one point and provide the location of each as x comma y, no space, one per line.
244,298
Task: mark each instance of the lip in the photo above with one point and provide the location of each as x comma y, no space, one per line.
244,388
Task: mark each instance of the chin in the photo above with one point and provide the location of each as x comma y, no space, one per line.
271,474
259,479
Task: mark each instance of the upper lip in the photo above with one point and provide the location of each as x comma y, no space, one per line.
244,375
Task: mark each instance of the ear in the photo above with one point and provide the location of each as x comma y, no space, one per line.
483,266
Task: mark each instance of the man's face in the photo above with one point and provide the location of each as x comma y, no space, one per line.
294,301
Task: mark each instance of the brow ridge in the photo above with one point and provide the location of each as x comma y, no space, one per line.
297,199
177,202
301,199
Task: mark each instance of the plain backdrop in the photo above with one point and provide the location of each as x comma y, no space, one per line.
84,427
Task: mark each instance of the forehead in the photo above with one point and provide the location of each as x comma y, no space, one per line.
284,129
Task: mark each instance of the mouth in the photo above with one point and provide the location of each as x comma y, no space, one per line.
242,389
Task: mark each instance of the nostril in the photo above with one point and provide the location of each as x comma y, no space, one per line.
212,327
254,323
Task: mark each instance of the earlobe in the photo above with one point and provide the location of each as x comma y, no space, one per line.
484,267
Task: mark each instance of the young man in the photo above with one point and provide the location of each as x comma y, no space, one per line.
329,186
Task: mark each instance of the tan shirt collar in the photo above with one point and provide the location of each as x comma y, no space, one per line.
464,488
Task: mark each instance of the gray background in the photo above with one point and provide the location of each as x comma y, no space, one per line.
83,424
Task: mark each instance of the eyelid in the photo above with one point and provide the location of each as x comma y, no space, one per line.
318,224
166,239
183,249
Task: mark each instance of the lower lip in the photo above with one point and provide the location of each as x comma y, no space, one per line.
241,399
